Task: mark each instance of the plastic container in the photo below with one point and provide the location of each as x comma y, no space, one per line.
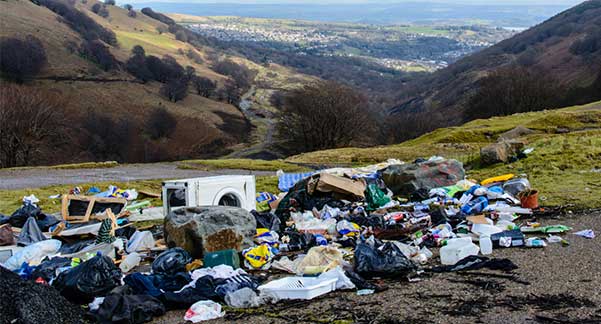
227,257
515,186
485,245
298,287
457,249
475,206
131,261
508,239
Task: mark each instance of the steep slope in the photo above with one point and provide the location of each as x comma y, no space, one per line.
567,47
205,127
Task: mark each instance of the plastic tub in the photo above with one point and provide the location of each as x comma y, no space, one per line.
298,287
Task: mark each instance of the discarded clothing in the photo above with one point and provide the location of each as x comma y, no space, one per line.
30,233
474,262
128,309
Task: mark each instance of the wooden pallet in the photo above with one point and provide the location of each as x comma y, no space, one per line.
92,202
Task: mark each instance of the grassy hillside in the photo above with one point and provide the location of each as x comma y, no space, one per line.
565,165
206,127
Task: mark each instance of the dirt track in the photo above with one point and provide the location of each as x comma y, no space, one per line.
39,177
554,285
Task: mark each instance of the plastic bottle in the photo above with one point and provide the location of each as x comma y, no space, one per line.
457,249
485,244
475,206
131,260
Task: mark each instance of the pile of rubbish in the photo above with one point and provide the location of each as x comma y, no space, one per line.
336,229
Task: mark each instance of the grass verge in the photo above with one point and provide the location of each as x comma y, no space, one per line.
241,164
10,200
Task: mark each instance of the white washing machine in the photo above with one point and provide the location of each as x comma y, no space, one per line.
237,191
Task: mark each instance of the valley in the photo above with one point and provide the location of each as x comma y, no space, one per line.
410,48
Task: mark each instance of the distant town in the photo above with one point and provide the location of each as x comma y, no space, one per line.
398,47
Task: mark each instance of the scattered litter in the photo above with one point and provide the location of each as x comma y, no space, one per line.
586,233
364,292
335,229
203,310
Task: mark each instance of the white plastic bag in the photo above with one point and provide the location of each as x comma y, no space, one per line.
33,254
337,273
203,310
140,241
244,298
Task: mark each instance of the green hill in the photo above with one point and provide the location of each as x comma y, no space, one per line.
565,164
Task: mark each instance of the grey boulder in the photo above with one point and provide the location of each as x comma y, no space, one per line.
200,230
515,133
500,152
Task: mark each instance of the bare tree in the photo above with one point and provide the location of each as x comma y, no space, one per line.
21,59
161,123
324,115
175,89
230,93
30,120
513,90
204,86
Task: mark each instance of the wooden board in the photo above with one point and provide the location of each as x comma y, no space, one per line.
92,201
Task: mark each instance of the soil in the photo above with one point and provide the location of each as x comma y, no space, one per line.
40,177
556,284
26,302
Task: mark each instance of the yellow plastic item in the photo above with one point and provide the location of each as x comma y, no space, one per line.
258,256
194,265
261,231
500,178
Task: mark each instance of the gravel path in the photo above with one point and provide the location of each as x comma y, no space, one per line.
39,177
555,285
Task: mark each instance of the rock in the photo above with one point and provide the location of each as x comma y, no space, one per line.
562,130
405,179
500,152
493,153
515,133
208,229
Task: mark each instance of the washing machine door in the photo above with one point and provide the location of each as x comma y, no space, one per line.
229,197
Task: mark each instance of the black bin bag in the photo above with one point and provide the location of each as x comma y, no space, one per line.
93,278
384,261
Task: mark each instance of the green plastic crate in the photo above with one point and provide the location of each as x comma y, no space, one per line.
227,257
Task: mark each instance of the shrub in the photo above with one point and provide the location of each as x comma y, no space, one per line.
21,59
98,53
105,138
194,56
79,21
204,86
175,89
512,90
160,124
30,120
323,115
164,69
157,16
180,35
136,65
